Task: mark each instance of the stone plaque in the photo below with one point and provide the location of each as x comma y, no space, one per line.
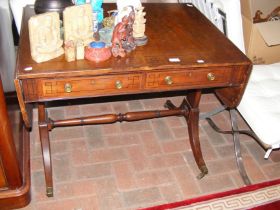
78,23
44,35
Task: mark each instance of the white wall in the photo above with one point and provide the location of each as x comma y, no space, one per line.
7,49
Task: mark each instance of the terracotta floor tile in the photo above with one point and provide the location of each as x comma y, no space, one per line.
58,147
174,160
56,113
219,166
131,127
72,111
154,178
94,136
214,137
175,121
171,193
62,167
162,130
212,184
124,175
66,133
106,186
111,201
125,166
275,156
150,144
258,153
125,139
135,105
186,181
92,171
176,146
137,157
253,169
83,187
140,198
80,157
107,155
272,171
96,109
36,164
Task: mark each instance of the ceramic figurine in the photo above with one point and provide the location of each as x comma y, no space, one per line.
44,36
77,22
70,54
139,27
97,52
119,34
124,3
124,8
128,43
122,40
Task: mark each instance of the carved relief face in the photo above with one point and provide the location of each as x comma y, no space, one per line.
44,35
78,23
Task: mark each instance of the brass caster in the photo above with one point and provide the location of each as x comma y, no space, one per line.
204,171
49,191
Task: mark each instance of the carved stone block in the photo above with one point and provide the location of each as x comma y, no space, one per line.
78,23
70,52
80,50
44,36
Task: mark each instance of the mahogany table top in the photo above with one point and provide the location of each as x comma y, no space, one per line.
173,31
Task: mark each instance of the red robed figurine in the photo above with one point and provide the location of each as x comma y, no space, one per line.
122,39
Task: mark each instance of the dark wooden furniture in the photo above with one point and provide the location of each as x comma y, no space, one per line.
14,161
204,59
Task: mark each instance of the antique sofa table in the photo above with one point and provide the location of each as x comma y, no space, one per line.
184,52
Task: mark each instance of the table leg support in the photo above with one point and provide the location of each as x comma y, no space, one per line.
193,99
45,146
193,127
190,105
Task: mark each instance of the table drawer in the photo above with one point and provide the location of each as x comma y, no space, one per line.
81,87
188,79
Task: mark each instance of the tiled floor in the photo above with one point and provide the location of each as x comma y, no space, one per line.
125,165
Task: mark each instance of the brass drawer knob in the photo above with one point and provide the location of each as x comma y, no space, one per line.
168,80
211,76
119,84
68,88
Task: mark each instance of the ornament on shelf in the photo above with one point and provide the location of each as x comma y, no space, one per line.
44,35
80,50
139,27
79,2
105,35
97,52
69,48
78,24
128,43
125,7
122,40
109,21
97,8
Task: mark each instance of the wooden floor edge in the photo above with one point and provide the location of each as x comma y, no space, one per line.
18,198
